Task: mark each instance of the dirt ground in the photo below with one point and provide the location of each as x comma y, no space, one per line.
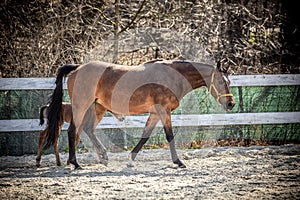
271,172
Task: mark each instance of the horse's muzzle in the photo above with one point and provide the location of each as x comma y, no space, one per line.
230,105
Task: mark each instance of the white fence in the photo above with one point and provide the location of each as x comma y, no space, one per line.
178,120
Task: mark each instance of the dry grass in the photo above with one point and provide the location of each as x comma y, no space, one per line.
37,37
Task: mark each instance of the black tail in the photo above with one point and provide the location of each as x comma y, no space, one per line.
42,114
54,109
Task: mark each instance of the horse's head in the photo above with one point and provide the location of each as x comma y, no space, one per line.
219,87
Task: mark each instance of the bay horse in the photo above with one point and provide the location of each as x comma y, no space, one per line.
155,87
65,116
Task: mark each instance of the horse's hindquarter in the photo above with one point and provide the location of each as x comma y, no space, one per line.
82,85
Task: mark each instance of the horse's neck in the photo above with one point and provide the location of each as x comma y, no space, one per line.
198,74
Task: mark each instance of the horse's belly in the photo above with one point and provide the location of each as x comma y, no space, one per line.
141,100
126,108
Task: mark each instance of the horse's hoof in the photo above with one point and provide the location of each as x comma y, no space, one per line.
179,163
58,164
104,157
78,168
182,166
38,165
104,162
130,164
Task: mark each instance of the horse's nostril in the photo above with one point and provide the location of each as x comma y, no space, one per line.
230,105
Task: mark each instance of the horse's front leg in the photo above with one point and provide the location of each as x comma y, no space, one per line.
150,124
167,123
71,137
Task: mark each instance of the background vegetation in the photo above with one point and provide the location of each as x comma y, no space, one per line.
254,36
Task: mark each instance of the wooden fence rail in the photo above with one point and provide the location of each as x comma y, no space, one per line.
240,80
178,120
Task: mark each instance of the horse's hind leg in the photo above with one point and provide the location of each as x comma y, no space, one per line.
77,140
56,151
71,138
89,122
92,117
41,142
150,124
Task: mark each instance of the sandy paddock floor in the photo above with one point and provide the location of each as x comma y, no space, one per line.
256,172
